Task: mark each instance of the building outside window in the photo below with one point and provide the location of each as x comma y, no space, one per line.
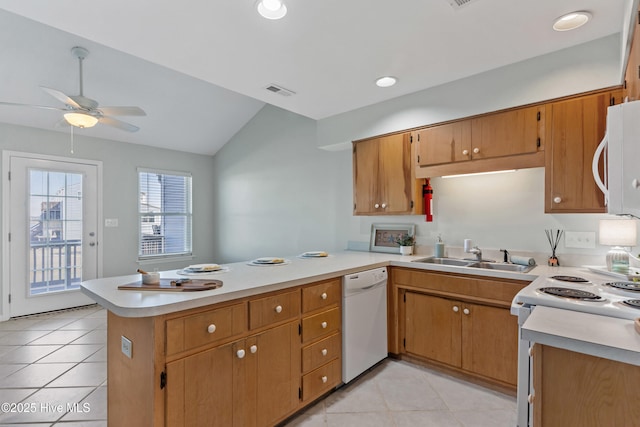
165,214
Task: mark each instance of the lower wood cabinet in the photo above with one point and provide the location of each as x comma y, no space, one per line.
575,389
457,322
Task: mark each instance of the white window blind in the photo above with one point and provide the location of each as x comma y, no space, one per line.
164,214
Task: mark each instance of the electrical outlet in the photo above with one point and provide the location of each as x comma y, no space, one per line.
127,346
111,222
580,239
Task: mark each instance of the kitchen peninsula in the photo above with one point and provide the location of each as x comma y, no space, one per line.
229,355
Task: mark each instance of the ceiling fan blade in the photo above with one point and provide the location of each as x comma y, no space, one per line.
118,124
122,111
46,107
61,97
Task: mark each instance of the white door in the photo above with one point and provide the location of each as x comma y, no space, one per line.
53,227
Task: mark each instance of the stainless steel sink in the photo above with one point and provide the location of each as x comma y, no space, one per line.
502,267
446,261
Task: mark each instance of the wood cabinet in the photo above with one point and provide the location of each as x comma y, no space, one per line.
248,362
384,182
502,140
578,389
458,322
632,72
574,129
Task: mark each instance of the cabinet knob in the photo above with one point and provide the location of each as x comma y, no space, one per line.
240,353
384,205
376,206
465,152
324,295
466,311
324,379
531,398
211,328
324,352
278,309
253,349
635,183
455,309
324,325
557,199
476,150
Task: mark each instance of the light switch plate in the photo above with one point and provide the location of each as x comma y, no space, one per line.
111,222
580,239
127,346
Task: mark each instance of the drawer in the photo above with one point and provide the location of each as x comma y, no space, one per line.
321,295
273,309
321,324
321,380
321,352
204,328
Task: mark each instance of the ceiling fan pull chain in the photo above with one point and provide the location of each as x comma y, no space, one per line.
71,127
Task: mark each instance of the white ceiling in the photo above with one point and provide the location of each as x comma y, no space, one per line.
199,68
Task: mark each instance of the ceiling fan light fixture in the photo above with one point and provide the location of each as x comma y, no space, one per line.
271,9
386,81
571,21
80,120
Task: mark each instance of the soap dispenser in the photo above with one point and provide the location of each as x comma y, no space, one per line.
439,248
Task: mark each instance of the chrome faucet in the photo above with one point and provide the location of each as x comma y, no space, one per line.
477,252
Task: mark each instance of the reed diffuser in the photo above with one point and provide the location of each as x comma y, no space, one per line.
553,242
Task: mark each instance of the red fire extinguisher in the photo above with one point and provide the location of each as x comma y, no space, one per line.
427,194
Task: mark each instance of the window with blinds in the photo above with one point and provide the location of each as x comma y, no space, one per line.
164,214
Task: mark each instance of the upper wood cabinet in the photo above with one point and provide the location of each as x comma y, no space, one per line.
575,127
503,140
384,182
632,73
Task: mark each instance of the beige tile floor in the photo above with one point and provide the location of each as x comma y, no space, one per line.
52,361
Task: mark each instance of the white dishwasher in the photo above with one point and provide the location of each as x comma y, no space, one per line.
364,321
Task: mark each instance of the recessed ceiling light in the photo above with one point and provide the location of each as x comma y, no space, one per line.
272,9
571,21
386,81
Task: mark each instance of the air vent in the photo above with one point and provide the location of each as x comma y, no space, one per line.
280,90
457,4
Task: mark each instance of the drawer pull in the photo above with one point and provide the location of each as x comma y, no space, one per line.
253,349
240,353
324,379
211,328
324,325
278,309
324,295
531,398
324,351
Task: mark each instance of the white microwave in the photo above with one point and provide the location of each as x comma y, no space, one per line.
621,181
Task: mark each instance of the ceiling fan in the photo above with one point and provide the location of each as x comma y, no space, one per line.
83,112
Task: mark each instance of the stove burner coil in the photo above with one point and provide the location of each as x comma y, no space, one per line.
627,286
573,279
571,293
635,303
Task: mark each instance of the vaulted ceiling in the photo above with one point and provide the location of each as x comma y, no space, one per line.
200,68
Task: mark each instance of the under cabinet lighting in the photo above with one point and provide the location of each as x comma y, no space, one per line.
571,21
272,9
479,173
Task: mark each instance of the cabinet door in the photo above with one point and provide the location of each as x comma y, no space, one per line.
395,181
200,389
490,342
432,328
365,176
509,133
576,128
632,73
443,144
277,378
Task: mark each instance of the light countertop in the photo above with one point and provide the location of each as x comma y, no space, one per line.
599,336
243,280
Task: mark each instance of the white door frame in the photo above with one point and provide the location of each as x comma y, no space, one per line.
6,161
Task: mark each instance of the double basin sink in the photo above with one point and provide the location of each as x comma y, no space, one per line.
487,265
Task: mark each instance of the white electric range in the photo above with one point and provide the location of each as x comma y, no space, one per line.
581,290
